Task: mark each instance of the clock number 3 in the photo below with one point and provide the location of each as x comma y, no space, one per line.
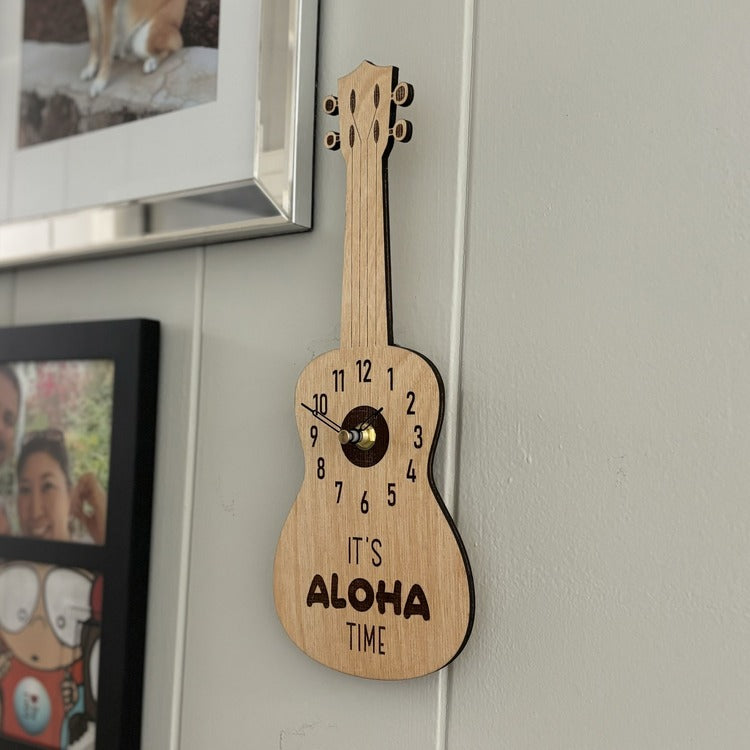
418,439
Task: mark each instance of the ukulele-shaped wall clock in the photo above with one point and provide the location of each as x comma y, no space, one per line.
371,577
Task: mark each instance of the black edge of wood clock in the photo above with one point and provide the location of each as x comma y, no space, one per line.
441,504
386,213
436,372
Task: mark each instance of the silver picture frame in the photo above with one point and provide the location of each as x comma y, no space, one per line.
275,199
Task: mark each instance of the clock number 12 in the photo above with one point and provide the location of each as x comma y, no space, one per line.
363,369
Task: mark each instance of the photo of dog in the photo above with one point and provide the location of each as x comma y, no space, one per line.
93,64
148,29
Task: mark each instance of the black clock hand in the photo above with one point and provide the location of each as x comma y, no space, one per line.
368,422
323,418
360,434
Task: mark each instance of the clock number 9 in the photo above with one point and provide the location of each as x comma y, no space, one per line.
314,435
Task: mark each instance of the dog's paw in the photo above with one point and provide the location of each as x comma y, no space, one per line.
150,65
89,71
97,87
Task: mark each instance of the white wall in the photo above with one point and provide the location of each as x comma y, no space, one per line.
574,258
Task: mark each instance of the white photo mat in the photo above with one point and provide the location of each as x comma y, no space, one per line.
205,173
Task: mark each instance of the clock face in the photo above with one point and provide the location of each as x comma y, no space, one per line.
379,586
357,406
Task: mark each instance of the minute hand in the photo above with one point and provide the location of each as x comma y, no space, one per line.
368,422
322,417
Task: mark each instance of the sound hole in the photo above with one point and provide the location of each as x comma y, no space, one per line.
352,101
371,457
376,95
376,131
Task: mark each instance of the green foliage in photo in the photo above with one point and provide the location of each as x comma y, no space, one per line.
75,397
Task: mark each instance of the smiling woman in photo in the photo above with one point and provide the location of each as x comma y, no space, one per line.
48,501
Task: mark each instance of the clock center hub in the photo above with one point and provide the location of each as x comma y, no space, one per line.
364,435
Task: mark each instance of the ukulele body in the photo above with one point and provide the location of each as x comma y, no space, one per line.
370,576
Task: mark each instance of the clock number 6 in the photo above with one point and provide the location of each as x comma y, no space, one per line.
364,505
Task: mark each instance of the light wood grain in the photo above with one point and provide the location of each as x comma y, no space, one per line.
365,143
370,575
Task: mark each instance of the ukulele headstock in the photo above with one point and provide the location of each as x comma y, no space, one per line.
366,106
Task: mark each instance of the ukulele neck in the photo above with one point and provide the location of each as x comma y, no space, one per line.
367,113
365,298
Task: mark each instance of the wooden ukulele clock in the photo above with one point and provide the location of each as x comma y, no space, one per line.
371,577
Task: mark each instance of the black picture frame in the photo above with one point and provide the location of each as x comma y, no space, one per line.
122,560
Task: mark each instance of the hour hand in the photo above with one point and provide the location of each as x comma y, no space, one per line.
322,417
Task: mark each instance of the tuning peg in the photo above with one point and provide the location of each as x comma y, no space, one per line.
331,105
403,94
402,131
332,140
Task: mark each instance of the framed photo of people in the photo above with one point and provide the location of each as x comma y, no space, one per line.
77,431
